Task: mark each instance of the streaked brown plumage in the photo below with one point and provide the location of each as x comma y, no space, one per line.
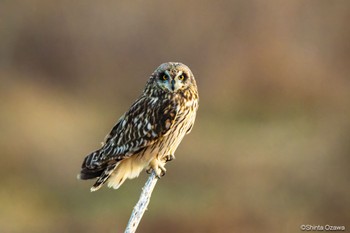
148,134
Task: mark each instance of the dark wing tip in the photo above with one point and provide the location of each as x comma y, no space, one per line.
86,174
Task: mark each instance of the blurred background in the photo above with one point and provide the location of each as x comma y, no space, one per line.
270,149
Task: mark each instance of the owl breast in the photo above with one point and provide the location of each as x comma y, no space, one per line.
168,144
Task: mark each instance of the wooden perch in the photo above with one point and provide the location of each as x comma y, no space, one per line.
142,204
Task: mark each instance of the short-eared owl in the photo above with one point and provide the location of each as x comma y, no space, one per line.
147,135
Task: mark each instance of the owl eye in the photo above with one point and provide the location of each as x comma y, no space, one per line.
165,77
182,77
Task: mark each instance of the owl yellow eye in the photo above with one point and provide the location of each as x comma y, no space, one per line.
182,77
165,77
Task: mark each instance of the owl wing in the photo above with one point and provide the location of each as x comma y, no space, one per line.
144,123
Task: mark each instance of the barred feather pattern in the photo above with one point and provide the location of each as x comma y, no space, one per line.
151,129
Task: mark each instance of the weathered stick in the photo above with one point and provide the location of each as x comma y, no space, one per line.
142,204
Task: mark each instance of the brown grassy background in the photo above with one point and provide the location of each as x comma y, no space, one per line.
270,148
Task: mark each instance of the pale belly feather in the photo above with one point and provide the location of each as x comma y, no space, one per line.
130,168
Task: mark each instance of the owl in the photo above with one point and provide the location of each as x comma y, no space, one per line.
148,134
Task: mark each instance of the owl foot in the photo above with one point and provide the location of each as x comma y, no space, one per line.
158,167
169,158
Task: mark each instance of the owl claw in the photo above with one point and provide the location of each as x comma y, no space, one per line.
169,158
158,167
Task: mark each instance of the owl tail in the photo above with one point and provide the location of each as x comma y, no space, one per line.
115,173
90,168
104,177
94,167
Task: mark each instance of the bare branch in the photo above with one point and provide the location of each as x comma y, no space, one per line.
142,204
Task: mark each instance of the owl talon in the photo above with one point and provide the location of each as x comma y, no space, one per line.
158,167
159,174
169,158
162,171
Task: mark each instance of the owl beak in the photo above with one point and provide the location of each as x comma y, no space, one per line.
173,84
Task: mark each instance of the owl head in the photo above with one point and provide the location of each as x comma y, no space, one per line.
173,77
